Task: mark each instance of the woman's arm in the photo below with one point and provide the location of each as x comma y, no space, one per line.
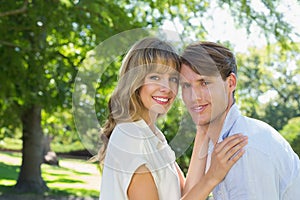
181,177
142,185
224,156
197,163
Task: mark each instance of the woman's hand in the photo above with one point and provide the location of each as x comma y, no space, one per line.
225,155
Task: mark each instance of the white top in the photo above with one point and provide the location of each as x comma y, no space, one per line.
130,146
269,169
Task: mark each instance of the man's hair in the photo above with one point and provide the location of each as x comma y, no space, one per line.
210,59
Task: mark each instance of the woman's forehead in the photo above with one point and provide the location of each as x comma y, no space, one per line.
164,68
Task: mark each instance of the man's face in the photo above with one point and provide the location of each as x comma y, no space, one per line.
207,98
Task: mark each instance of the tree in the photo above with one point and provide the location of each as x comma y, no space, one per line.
42,45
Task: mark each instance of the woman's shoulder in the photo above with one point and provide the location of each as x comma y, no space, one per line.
127,147
131,135
133,130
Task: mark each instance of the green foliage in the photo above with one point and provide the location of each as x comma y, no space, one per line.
278,114
265,70
291,132
47,43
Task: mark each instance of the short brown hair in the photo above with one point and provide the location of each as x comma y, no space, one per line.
209,58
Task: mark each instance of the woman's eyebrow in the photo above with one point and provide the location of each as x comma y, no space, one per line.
182,80
174,73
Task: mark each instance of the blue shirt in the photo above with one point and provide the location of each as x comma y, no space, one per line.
269,169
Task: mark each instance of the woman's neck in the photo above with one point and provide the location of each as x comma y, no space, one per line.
150,119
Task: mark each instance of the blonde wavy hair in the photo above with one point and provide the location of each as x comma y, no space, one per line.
125,105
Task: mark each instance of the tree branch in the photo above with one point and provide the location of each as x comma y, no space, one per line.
8,44
17,11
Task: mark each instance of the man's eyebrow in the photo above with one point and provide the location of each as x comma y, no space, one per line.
182,79
201,79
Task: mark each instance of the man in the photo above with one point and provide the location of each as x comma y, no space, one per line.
269,169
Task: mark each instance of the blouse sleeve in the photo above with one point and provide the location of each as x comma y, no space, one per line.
125,153
130,146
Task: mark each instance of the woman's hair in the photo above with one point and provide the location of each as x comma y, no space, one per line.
209,58
125,105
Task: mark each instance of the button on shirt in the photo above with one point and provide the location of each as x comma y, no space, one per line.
269,169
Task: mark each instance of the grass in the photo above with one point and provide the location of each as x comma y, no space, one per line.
16,144
73,178
12,143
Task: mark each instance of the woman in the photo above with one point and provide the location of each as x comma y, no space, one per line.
139,163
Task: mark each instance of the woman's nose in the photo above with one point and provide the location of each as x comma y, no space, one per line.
165,85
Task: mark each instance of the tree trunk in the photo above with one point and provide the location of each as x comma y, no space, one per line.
30,179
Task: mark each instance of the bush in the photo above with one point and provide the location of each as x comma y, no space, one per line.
291,132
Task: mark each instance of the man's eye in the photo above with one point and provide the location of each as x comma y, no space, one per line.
204,83
185,85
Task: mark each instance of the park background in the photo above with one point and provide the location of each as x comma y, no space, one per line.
43,44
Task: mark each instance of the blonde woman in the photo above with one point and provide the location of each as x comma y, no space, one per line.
138,162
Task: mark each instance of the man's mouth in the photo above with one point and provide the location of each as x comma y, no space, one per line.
199,108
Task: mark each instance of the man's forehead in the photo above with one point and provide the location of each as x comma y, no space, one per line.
194,77
202,69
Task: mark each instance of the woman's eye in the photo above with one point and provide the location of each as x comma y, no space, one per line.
154,77
174,79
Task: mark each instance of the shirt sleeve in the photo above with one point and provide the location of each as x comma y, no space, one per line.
290,170
293,192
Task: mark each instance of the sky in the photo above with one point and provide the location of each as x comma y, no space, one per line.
223,28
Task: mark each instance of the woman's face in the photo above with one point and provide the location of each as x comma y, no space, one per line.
159,91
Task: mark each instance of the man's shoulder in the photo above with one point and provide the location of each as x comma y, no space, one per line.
253,125
261,135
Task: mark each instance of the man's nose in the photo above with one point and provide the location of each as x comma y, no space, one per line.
197,94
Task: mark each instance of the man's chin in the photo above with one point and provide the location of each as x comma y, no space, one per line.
200,122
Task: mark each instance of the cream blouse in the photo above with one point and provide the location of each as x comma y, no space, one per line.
130,146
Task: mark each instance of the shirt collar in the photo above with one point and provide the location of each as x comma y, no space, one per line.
230,120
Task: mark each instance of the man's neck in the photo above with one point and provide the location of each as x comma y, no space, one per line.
213,129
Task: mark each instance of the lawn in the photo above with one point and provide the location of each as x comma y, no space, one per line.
73,179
